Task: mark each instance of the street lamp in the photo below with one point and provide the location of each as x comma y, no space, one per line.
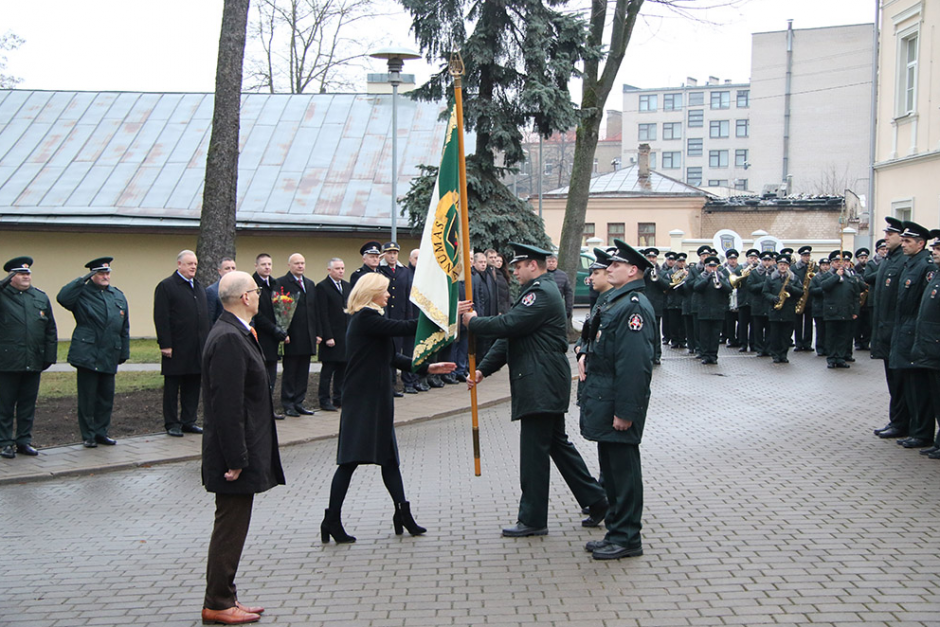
396,61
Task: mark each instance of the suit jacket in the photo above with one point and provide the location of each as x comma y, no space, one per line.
213,303
181,318
333,318
238,413
269,334
304,327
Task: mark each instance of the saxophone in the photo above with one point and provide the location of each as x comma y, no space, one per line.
782,296
810,273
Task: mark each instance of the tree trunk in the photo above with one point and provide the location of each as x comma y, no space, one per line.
217,224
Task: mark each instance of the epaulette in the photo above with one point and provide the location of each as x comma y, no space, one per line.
534,283
634,298
38,290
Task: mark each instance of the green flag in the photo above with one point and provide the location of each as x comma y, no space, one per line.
434,289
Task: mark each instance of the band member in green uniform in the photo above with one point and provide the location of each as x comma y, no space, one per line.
782,290
532,339
840,306
713,290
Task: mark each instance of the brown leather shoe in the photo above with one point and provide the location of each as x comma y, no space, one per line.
231,616
257,609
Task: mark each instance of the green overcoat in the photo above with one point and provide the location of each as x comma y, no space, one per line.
101,339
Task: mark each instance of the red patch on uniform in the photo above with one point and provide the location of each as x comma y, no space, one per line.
636,322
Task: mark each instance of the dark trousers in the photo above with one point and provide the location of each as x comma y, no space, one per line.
95,402
838,341
863,329
184,389
391,476
935,385
666,327
760,334
917,396
676,327
658,344
709,336
232,518
18,392
294,380
898,415
729,330
821,337
745,330
623,483
803,328
331,372
778,339
271,368
542,437
696,334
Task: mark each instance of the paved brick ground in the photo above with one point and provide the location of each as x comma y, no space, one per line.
768,502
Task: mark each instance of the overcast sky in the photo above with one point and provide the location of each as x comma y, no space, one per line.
171,45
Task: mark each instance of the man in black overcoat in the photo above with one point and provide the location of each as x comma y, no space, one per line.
181,318
304,335
239,449
332,293
265,324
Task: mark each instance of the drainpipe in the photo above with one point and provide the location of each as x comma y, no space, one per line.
786,104
873,125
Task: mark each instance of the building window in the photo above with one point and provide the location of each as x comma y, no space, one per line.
646,234
695,147
614,230
718,182
649,102
718,129
587,233
903,209
696,117
672,102
742,128
744,98
696,98
740,184
693,176
907,74
672,130
647,132
718,158
721,100
740,158
672,160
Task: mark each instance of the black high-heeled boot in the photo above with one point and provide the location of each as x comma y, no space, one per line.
403,518
333,526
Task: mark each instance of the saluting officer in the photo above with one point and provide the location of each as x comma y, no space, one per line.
616,397
100,342
713,290
840,306
371,252
533,340
27,347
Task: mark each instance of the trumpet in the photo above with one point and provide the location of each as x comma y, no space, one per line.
716,277
654,274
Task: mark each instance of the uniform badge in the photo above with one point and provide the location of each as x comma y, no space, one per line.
636,322
528,299
121,311
907,284
42,314
598,336
930,276
933,294
887,281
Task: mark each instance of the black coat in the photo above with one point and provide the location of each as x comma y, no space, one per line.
912,284
484,297
884,297
840,295
359,273
399,305
755,285
503,296
367,422
269,334
772,287
304,326
564,288
239,413
713,302
333,318
655,291
926,351
181,318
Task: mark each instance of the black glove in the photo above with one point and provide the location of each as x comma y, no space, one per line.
280,334
6,280
46,364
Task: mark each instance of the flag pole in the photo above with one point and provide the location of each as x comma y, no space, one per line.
456,71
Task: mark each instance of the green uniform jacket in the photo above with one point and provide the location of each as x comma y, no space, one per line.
840,295
816,294
533,340
656,290
926,353
27,330
884,297
101,339
912,284
772,287
619,367
695,270
755,285
712,302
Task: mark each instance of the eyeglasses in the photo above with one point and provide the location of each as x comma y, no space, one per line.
257,290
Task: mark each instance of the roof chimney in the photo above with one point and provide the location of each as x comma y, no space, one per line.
691,82
712,80
643,162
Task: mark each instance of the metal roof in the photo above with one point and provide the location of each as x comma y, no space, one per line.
626,182
306,161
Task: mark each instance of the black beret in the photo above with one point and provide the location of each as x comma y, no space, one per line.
912,229
628,254
387,246
894,225
19,264
371,248
805,250
704,249
101,264
524,252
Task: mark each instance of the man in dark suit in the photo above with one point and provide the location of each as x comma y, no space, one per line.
212,292
304,336
181,318
265,324
332,293
239,449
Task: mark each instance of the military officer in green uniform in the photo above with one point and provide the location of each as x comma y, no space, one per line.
100,342
27,347
615,399
926,351
532,339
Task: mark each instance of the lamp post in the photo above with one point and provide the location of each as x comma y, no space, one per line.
396,61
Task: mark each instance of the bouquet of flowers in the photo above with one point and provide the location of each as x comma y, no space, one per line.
284,307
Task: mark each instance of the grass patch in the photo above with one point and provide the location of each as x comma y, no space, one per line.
142,352
64,384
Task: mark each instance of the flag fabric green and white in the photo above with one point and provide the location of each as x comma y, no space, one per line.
434,289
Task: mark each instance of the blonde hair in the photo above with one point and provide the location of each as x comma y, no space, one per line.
365,290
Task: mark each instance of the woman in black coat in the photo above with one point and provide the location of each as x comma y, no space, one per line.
367,422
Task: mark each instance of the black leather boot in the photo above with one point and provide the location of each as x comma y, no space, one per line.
403,518
333,526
